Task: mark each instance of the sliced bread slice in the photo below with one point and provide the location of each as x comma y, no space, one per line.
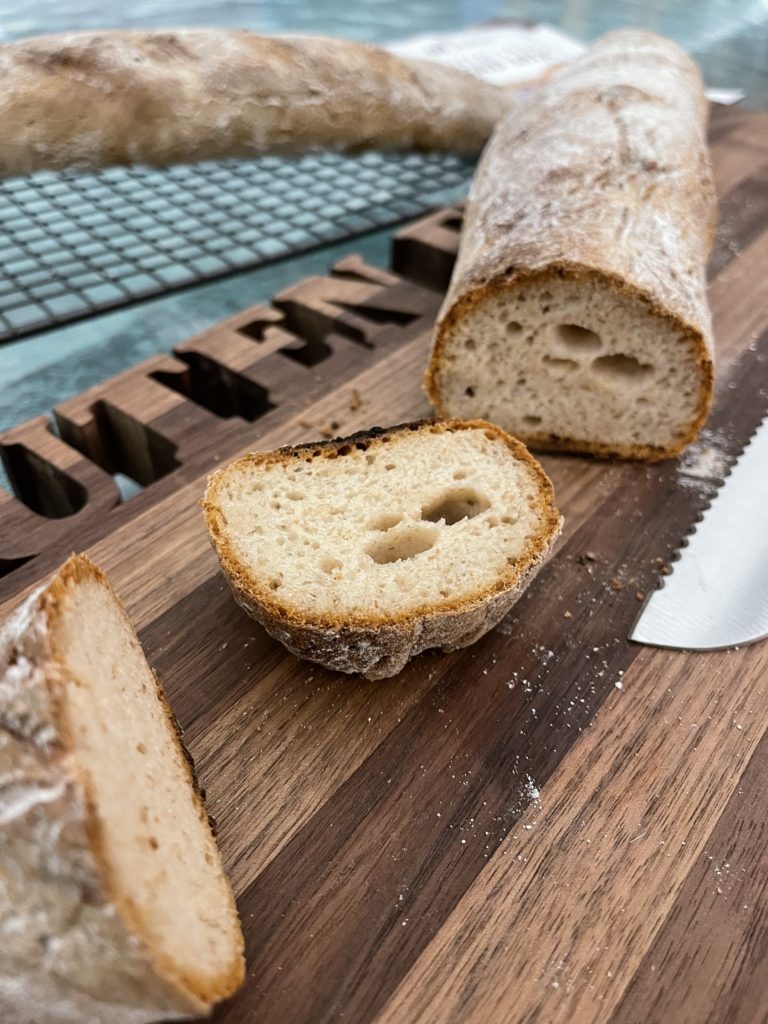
114,906
361,552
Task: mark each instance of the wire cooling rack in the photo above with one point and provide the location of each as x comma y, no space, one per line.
73,245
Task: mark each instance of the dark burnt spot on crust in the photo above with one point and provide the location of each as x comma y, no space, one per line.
361,440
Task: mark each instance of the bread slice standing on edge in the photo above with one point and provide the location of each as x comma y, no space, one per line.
361,552
114,907
577,316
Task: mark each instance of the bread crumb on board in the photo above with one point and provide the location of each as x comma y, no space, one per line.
705,462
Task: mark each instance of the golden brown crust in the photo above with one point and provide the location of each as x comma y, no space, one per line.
187,995
563,269
379,645
550,199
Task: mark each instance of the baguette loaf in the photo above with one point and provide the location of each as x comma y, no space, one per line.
114,908
577,317
95,99
362,552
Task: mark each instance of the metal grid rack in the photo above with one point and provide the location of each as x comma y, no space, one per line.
72,245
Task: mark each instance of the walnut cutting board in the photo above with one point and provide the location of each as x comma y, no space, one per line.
551,826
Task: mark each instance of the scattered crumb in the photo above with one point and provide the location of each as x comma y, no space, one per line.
704,462
587,557
532,791
640,595
567,615
305,424
355,401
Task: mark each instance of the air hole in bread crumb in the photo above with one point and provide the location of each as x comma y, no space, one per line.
464,503
330,564
470,344
385,522
390,466
513,327
578,339
275,584
295,496
469,392
622,369
560,364
459,475
509,520
532,421
141,747
399,545
641,401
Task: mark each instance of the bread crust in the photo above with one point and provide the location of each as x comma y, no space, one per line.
101,98
629,174
378,646
73,949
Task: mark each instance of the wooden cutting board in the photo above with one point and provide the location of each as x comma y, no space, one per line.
554,825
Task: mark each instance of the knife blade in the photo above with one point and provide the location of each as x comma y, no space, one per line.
717,593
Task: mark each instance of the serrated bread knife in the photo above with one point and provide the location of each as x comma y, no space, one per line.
717,593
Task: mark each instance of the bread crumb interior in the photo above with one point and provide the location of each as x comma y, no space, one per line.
573,359
163,862
385,526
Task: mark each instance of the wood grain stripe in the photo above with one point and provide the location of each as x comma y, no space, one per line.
727,121
739,301
721,913
560,920
742,217
734,163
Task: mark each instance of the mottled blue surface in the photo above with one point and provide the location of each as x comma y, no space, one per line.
728,37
